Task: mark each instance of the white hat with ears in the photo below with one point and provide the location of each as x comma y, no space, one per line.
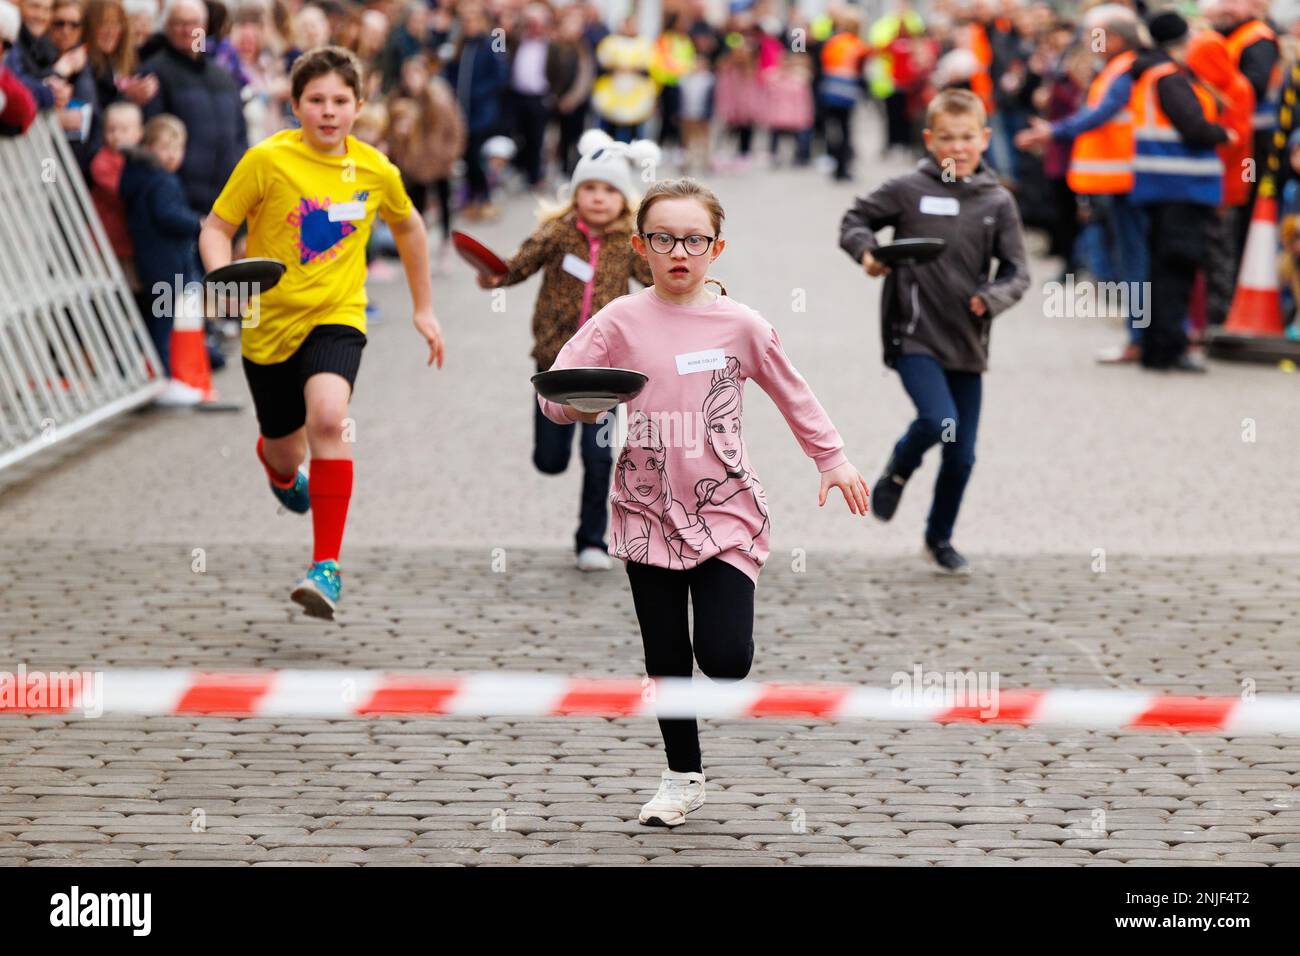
10,22
622,165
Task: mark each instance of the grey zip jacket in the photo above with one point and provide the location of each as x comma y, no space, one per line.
925,309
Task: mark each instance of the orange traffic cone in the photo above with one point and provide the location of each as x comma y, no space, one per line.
189,348
1254,328
1257,304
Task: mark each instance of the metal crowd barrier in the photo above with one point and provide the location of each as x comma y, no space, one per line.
74,350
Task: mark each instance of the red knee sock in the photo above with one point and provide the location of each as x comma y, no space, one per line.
281,480
330,487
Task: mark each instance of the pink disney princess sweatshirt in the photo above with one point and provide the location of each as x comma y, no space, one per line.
683,489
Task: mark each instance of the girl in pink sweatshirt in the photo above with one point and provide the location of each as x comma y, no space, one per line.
689,514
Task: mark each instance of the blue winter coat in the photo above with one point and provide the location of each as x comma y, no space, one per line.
479,77
164,229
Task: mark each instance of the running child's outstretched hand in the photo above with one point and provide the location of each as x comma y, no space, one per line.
413,248
426,323
850,482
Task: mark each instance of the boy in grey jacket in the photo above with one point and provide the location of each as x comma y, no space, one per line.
936,316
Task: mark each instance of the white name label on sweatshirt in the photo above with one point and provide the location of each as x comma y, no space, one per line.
580,269
939,205
347,211
704,361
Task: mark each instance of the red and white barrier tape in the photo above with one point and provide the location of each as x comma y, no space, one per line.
292,693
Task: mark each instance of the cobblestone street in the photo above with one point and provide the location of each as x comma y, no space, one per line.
1181,488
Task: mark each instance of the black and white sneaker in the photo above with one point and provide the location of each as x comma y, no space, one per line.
887,492
1190,362
948,558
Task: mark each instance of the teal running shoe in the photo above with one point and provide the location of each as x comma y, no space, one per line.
295,497
318,591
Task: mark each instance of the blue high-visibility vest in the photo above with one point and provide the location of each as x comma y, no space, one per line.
1165,169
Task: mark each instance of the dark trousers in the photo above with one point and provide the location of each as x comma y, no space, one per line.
1064,230
1177,237
552,448
572,126
530,116
442,187
839,138
722,597
896,121
948,411
670,107
802,143
1220,268
419,193
744,139
819,121
1239,227
1127,228
160,330
480,190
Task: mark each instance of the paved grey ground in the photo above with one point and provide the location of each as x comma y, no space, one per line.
1199,594
499,790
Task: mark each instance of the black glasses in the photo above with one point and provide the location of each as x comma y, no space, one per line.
665,242
66,24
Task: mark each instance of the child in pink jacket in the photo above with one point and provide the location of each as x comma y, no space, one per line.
789,98
689,514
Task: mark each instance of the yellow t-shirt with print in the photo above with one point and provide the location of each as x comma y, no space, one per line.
312,211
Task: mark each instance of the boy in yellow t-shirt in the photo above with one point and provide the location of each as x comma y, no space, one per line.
309,197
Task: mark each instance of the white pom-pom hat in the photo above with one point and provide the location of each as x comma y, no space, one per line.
10,22
628,167
499,147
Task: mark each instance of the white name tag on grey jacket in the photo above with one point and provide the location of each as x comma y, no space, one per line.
704,361
580,269
939,205
347,211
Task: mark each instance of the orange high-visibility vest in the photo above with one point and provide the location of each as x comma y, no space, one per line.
1249,33
1101,161
981,82
842,55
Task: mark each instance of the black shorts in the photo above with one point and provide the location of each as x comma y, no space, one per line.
278,389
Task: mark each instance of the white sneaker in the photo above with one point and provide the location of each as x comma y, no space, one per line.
177,394
679,794
593,559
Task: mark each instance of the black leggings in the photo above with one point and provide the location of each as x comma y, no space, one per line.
480,189
723,598
419,193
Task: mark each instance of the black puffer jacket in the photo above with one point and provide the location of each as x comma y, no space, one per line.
205,97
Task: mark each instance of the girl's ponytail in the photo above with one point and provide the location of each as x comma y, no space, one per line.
722,289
